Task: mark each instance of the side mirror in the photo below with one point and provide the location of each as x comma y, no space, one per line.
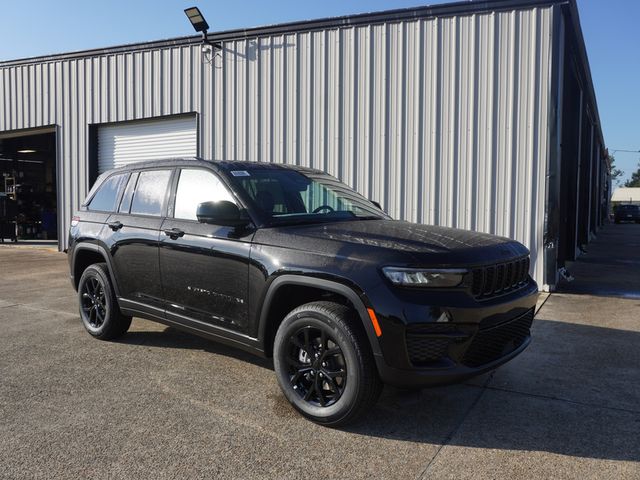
377,204
222,212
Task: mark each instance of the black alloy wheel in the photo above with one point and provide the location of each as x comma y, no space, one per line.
99,310
317,368
93,302
324,364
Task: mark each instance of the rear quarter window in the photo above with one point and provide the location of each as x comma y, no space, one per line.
107,195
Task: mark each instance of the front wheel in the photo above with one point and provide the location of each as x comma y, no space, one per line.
99,309
324,365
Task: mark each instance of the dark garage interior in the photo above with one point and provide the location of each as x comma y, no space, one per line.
28,203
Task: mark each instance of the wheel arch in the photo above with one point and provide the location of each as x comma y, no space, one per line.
86,254
268,324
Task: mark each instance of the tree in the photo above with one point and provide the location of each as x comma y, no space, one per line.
635,178
616,173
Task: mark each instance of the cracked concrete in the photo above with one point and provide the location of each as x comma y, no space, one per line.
163,404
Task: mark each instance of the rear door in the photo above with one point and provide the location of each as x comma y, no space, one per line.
204,267
134,236
102,202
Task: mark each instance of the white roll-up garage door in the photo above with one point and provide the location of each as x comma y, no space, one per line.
129,142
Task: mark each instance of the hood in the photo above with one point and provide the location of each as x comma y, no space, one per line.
396,241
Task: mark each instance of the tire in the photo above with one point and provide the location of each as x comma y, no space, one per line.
324,364
98,306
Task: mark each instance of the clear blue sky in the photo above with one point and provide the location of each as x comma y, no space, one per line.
34,27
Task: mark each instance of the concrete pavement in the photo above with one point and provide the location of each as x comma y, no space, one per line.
163,404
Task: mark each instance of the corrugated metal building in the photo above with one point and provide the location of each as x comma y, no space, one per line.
474,115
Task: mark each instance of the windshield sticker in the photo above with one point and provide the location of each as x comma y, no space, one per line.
240,173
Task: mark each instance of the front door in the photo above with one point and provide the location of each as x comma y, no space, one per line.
204,267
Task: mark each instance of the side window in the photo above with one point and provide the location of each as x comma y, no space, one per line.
150,193
196,186
125,203
107,195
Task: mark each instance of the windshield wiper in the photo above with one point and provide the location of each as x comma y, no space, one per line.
297,221
309,221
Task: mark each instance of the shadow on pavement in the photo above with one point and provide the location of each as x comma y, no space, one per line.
174,338
571,393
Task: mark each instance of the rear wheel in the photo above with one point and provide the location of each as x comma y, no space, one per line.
324,364
99,309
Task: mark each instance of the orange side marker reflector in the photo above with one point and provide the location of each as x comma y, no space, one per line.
374,321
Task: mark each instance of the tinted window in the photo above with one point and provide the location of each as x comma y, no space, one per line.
269,195
150,193
125,203
107,195
285,195
195,187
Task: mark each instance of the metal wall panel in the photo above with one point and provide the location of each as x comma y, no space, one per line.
442,120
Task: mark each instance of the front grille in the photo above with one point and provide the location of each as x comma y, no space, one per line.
493,342
429,343
493,280
423,351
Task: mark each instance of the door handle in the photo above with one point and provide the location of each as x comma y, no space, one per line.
115,226
174,233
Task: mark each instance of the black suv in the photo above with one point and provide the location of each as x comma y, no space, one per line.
627,213
289,262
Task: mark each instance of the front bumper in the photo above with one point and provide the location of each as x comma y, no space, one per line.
475,341
626,218
424,377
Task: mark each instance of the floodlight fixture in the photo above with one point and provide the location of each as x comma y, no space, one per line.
197,20
200,25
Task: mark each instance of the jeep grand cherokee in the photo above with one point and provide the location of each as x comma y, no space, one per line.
288,262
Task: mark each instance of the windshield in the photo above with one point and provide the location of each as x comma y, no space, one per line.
290,196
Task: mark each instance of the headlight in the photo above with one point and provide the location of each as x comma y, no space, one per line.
420,277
